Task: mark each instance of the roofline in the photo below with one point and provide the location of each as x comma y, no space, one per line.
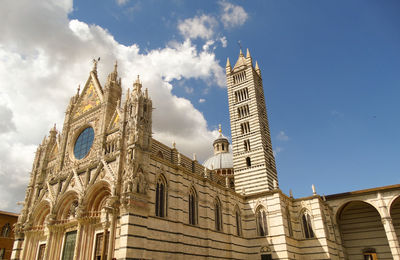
8,213
364,191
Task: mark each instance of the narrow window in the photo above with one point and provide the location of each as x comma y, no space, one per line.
261,221
99,250
192,207
289,221
248,161
161,198
238,223
40,254
218,215
307,226
223,147
247,145
69,246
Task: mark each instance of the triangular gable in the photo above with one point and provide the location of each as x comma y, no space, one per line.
54,152
90,97
115,120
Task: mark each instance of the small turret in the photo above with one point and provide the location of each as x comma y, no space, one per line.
137,86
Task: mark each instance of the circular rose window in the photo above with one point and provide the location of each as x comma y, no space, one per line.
83,143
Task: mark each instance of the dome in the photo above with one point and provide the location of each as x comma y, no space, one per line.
219,161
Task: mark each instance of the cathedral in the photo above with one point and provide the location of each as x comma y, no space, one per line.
103,188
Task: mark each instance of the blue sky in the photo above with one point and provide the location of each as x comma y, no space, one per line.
331,79
330,72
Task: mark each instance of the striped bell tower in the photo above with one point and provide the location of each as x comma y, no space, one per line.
253,160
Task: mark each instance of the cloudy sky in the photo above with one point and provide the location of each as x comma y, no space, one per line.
330,71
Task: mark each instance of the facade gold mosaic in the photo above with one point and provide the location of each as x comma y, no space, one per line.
103,188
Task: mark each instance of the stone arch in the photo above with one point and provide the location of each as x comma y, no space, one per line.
40,212
394,211
361,229
96,197
66,205
340,207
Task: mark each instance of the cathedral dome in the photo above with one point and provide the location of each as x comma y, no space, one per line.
222,158
219,161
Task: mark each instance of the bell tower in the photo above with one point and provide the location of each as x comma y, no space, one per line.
253,159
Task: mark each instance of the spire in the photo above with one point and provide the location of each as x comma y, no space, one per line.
116,67
53,131
137,85
95,64
257,69
241,62
248,53
228,64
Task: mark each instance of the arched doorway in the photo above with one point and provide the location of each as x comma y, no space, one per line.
362,232
395,215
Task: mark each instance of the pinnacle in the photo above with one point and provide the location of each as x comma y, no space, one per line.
228,64
257,68
248,53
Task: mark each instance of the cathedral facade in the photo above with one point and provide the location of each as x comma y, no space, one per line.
104,188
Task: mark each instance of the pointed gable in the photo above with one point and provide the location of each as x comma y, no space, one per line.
90,98
114,121
54,152
240,63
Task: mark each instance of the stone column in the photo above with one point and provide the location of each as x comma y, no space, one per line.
48,242
78,241
111,237
17,247
103,246
391,237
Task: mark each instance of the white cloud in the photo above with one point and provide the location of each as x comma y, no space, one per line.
277,150
202,100
232,15
43,62
122,2
223,41
189,90
282,136
198,27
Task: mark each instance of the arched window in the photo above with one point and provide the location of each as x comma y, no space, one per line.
307,226
161,197
217,215
248,161
238,222
261,221
160,155
192,207
289,221
5,231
